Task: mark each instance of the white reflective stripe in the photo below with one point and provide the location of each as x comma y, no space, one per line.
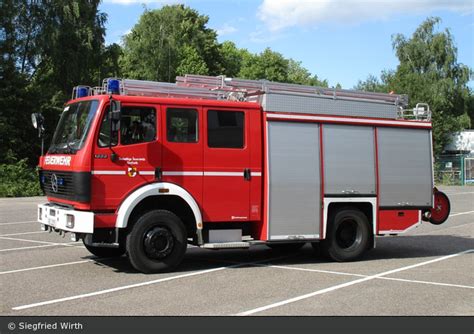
146,172
224,173
350,120
108,172
178,173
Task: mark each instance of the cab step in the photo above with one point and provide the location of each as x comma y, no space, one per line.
226,245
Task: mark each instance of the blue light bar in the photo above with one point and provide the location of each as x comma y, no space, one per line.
82,91
113,86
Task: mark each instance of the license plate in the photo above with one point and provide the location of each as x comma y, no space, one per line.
52,222
52,213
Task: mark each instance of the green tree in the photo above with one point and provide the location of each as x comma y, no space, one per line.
231,59
110,61
153,50
300,75
191,62
372,84
268,65
48,47
429,72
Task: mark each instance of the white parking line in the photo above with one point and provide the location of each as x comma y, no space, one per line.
131,286
21,248
44,267
23,233
359,275
15,223
40,242
426,282
460,213
454,194
343,285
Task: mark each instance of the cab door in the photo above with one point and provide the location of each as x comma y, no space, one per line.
131,160
226,187
182,148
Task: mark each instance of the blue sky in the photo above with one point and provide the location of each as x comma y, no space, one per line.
342,41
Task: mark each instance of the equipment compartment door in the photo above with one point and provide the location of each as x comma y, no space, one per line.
349,160
404,167
294,180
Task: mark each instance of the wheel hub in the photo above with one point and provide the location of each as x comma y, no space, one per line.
347,234
158,243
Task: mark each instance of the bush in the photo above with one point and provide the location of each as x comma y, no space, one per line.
17,179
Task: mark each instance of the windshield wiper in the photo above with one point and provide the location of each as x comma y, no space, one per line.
69,150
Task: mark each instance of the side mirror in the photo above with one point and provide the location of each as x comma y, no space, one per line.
38,120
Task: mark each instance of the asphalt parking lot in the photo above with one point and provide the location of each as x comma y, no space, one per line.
428,271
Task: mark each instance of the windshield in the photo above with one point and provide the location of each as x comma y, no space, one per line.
73,127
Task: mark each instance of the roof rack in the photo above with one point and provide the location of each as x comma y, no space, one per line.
272,96
258,87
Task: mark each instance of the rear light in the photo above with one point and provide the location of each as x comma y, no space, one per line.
69,221
40,214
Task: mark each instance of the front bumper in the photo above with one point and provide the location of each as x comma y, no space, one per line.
64,219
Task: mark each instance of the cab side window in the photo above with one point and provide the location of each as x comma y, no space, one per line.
137,125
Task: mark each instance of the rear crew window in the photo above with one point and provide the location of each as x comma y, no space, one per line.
181,125
225,129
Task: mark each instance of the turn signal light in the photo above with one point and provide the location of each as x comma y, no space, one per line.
69,221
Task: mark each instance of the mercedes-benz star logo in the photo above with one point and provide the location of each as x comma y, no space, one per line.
54,183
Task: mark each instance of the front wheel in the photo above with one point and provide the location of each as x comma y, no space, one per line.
157,242
347,237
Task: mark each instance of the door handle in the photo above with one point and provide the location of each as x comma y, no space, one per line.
158,173
247,174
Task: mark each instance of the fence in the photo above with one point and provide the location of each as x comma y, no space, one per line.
457,169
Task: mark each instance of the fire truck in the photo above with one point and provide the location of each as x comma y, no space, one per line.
147,168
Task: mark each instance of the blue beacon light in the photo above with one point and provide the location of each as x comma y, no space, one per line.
82,92
113,86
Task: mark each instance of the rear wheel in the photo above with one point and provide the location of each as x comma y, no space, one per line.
157,242
347,236
105,251
287,247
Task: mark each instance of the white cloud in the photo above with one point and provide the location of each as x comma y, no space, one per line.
280,14
226,29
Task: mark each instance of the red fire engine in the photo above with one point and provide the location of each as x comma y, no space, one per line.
145,168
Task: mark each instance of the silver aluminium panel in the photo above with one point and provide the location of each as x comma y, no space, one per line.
349,160
294,180
404,167
292,103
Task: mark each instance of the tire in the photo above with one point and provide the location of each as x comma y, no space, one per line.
105,251
287,247
442,208
157,242
348,235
